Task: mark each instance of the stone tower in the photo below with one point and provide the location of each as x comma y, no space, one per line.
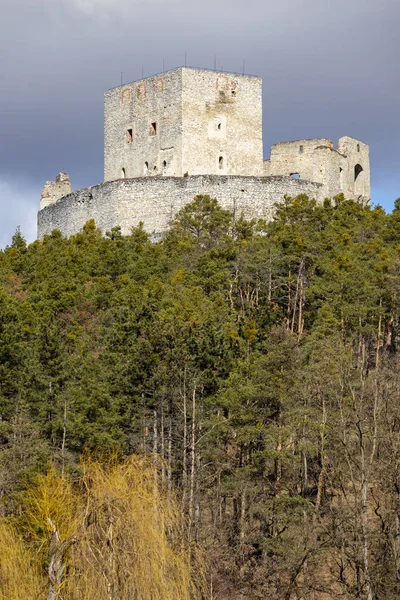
185,121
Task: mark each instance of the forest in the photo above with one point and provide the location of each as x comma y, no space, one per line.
211,416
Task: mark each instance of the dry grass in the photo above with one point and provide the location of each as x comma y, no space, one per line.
20,577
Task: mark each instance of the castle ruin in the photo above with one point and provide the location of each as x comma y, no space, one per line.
193,131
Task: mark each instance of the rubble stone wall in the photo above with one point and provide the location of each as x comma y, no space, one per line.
156,200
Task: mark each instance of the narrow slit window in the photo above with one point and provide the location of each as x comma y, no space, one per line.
129,135
301,148
153,129
221,162
358,147
164,166
145,168
123,173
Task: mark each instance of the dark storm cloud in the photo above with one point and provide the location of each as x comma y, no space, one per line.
329,69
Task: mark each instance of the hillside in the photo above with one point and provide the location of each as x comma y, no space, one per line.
259,361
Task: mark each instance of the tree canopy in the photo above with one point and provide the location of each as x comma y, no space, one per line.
257,361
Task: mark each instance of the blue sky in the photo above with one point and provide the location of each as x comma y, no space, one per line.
329,68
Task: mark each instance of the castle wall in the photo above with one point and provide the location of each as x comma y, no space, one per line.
222,124
156,200
356,179
343,170
142,128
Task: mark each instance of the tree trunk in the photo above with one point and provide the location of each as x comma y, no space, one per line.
56,568
193,464
64,438
364,516
185,441
321,475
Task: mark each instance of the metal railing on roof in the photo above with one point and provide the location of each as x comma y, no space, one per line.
160,74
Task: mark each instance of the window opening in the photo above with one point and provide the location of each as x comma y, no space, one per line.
123,173
295,175
301,148
153,129
233,92
357,170
358,147
146,168
221,162
219,126
129,135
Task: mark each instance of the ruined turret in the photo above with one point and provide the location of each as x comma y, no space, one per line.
54,190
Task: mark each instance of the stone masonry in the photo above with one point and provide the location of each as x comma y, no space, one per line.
184,121
53,190
343,170
191,131
156,200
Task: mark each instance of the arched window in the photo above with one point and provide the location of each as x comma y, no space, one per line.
145,168
359,181
221,162
123,173
357,170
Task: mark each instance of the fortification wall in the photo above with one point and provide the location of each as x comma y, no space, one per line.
156,200
53,190
343,170
298,157
356,176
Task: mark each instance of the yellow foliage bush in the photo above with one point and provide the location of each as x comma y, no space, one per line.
113,535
